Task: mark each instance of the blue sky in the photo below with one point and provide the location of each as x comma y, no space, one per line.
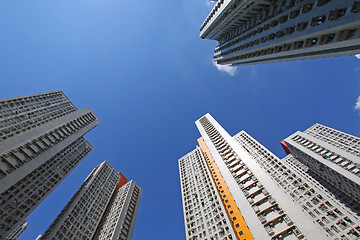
141,67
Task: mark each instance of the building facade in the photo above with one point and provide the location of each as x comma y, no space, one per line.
122,210
20,229
204,214
333,157
274,198
252,31
41,142
104,207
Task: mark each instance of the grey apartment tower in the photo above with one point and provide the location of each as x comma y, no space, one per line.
332,157
234,188
20,229
264,31
104,207
41,142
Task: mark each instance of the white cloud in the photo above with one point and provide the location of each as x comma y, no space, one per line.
357,104
254,72
225,68
357,56
209,3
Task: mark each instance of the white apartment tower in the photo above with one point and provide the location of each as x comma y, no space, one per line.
263,31
41,142
104,207
274,198
204,213
332,156
317,201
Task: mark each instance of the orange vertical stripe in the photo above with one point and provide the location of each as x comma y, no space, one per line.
238,223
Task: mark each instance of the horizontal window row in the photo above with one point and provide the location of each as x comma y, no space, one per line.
14,159
279,20
324,39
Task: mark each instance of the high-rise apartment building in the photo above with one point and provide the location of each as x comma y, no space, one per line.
264,31
20,229
333,157
41,142
104,207
257,194
118,221
204,212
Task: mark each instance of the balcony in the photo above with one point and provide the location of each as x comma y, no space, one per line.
228,151
335,14
264,206
272,215
233,158
234,164
243,166
279,226
236,168
254,190
222,148
259,198
244,177
288,234
239,172
249,183
228,155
